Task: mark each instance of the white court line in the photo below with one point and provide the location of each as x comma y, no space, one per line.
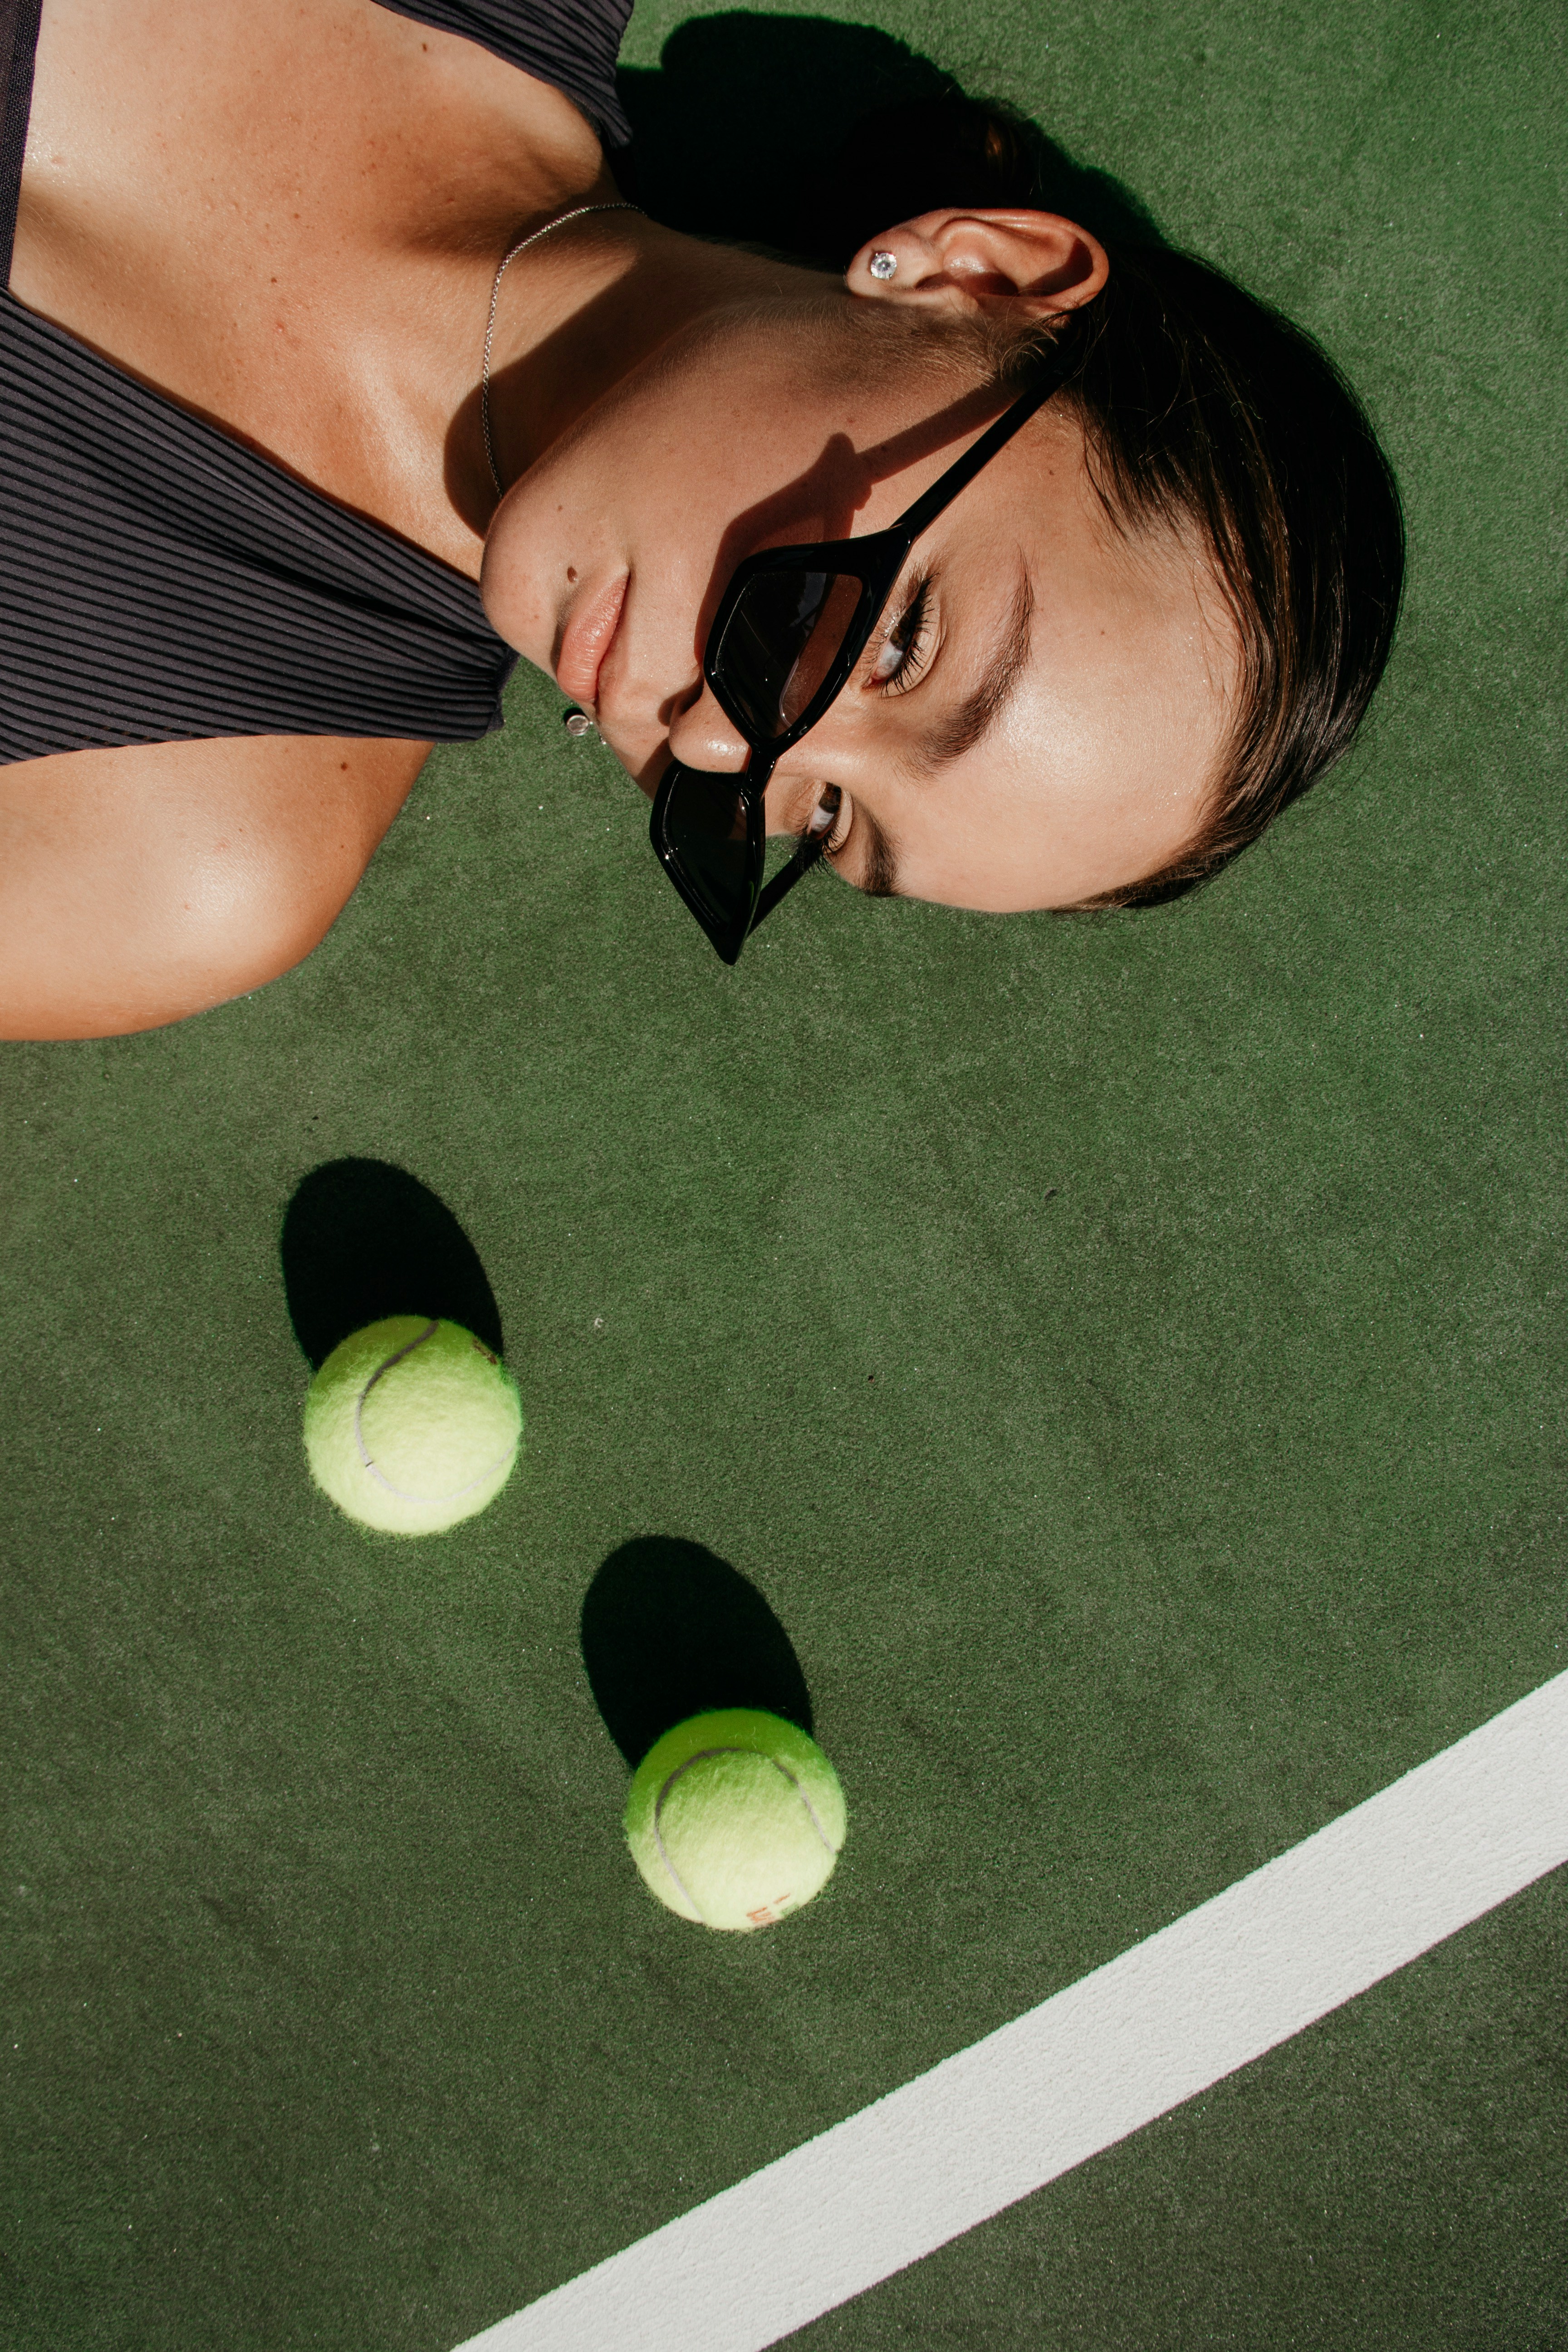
1209,1993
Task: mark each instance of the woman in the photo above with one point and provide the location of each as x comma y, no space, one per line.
293,454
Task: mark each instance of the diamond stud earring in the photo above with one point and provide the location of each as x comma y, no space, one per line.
577,723
883,263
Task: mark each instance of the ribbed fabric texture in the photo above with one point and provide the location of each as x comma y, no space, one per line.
160,582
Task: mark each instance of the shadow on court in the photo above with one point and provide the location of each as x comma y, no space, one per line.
363,1239
669,1629
811,137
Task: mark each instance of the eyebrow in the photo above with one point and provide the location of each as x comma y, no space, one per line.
969,725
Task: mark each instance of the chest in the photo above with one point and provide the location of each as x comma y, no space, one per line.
287,218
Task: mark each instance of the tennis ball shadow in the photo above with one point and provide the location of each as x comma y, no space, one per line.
810,136
362,1240
669,1631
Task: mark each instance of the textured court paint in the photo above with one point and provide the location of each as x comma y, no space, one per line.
1126,1357
1367,1894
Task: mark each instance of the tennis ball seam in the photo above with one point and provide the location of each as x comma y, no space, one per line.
432,1502
701,1756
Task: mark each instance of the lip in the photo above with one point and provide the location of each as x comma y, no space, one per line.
587,638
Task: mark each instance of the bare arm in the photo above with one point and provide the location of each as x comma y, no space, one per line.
142,885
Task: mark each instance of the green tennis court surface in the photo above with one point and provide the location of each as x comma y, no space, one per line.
1108,1372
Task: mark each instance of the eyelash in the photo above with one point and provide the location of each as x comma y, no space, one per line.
911,624
829,850
913,654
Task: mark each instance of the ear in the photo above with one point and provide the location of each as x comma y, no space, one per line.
1012,264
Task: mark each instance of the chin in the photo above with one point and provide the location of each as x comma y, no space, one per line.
512,606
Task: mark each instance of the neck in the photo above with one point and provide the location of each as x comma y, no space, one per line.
575,315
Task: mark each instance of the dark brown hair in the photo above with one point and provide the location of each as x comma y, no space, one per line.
1205,411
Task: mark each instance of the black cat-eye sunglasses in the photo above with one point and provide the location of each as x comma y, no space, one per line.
791,626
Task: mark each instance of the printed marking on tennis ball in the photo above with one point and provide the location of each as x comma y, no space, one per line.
411,1426
735,1819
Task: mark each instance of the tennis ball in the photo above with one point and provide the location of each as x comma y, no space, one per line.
412,1424
735,1818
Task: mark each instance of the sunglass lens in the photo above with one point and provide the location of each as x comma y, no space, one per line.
779,644
705,837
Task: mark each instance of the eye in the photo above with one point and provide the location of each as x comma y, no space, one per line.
902,655
829,817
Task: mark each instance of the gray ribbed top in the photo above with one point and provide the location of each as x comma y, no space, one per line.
159,581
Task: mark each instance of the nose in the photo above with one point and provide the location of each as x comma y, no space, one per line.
702,736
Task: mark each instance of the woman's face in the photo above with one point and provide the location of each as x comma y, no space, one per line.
1041,712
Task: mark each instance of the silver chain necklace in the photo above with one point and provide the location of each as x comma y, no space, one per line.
506,259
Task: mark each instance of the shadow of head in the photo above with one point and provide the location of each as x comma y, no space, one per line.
669,1631
813,137
362,1240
